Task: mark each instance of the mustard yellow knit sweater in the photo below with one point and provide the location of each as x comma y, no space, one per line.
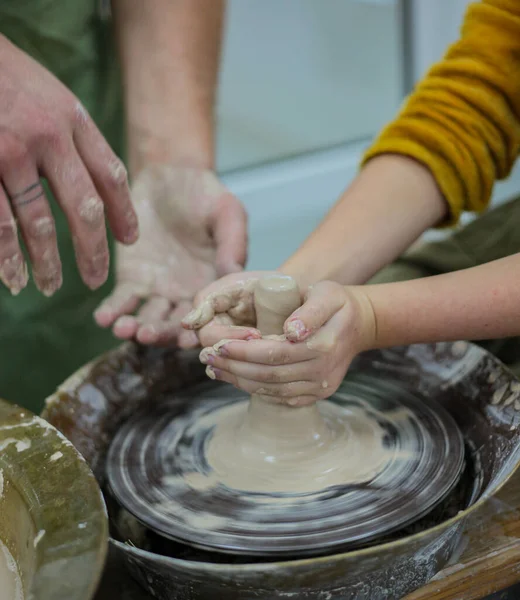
463,120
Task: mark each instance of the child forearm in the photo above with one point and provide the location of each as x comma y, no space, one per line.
474,304
389,205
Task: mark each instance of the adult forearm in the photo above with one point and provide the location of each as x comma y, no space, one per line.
170,54
390,204
474,304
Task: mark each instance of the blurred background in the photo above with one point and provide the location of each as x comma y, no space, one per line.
305,86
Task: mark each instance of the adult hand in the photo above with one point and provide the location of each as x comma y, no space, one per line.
321,339
46,132
193,230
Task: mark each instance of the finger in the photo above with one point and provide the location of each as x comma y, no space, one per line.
213,333
32,210
229,226
109,176
322,302
266,352
165,330
155,309
281,393
123,300
217,302
126,327
188,340
13,270
78,198
260,373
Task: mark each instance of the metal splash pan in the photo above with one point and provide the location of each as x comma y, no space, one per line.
480,393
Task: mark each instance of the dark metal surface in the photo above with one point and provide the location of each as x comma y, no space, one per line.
477,390
512,593
155,449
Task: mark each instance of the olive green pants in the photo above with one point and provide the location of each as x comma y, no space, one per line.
494,235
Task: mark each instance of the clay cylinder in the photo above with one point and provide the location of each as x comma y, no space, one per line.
276,298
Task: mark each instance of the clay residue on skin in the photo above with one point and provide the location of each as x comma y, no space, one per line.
92,211
43,227
14,273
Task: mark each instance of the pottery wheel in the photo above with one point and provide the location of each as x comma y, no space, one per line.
393,457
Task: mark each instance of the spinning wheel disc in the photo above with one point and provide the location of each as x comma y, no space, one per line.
157,470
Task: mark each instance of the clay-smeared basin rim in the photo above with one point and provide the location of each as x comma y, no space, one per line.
64,500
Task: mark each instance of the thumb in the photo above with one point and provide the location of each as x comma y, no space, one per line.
322,302
229,228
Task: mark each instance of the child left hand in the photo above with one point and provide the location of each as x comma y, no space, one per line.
321,338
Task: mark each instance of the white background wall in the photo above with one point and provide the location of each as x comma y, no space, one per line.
302,75
305,86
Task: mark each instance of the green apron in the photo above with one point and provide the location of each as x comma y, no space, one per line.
43,341
494,235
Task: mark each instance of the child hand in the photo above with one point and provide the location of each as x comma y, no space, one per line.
322,337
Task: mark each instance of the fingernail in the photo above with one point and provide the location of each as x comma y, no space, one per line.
14,273
132,237
207,356
190,318
50,286
296,329
125,320
103,313
149,329
222,350
253,335
210,372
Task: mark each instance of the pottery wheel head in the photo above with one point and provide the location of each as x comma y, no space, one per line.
158,470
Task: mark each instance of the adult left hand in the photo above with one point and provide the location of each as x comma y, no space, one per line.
192,230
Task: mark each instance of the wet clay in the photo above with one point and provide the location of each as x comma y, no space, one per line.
10,582
265,446
250,451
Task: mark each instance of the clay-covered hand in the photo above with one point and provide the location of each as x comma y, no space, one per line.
309,362
192,230
46,132
225,309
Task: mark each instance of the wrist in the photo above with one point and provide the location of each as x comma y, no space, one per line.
147,147
365,318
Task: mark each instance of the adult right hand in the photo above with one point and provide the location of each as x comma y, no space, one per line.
46,132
